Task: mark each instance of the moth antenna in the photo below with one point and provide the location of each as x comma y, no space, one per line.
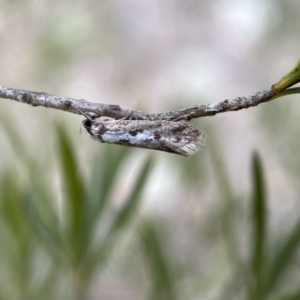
84,114
127,117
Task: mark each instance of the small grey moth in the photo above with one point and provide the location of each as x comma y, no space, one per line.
174,137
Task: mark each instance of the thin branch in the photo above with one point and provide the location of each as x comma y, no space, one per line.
115,111
95,110
165,133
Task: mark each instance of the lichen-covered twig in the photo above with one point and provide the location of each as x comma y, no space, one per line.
160,131
95,110
116,112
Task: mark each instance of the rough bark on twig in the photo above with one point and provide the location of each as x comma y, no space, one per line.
96,110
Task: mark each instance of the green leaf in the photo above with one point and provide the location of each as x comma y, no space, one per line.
291,78
230,212
291,296
76,204
19,244
259,224
281,260
122,218
32,168
11,211
125,214
46,231
106,168
161,275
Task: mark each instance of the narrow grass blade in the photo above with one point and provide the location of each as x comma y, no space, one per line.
259,225
106,168
32,168
122,218
281,260
74,194
291,296
126,213
161,276
19,241
230,212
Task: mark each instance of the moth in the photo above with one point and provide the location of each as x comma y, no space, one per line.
169,136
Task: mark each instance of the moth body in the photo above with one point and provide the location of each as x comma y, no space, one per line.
174,137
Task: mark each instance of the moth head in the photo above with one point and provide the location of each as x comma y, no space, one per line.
85,125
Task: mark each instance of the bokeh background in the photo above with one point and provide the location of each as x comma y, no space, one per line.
82,220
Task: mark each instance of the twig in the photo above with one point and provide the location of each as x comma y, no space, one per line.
152,131
160,131
115,111
95,110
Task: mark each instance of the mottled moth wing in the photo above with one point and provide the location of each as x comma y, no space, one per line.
175,137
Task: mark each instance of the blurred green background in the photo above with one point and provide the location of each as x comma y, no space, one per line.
83,220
